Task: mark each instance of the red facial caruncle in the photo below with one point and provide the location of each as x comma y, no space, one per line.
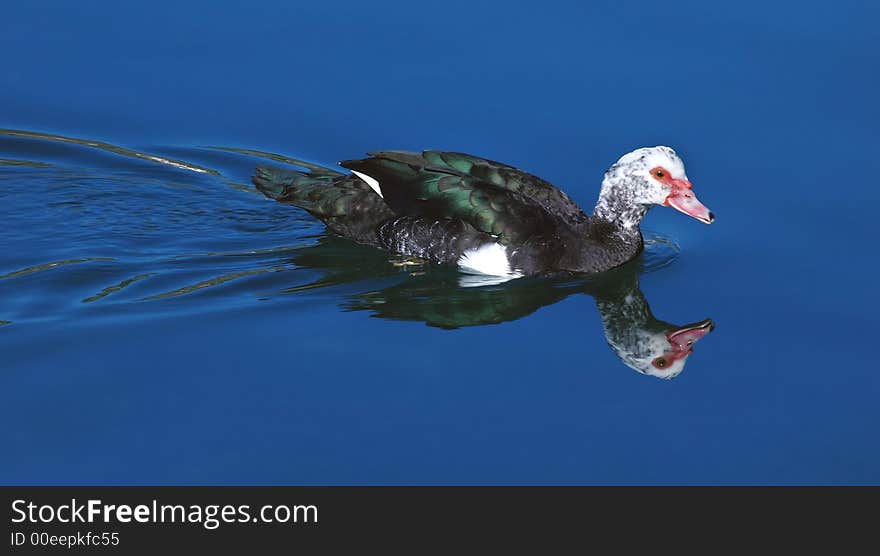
682,198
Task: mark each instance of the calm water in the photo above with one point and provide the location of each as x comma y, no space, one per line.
162,323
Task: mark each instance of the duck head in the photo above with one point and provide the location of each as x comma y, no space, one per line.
644,178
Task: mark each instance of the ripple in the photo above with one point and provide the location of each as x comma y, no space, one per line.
109,148
248,253
317,168
660,252
216,281
49,266
115,288
29,163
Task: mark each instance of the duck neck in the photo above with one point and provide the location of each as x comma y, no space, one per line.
617,206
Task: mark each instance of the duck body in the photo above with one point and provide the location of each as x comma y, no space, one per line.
484,216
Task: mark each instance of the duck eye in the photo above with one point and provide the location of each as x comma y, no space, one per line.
660,174
660,362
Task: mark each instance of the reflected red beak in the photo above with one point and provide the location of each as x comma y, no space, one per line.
683,200
682,339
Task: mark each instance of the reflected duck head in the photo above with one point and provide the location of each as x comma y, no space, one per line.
662,354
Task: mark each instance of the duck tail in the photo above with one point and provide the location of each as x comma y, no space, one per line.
325,194
277,183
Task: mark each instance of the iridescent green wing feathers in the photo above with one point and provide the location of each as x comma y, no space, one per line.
538,191
411,187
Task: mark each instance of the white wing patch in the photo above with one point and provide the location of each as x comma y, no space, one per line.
490,259
371,181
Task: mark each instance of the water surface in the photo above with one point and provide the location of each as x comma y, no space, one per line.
163,323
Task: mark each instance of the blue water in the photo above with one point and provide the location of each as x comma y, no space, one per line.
165,324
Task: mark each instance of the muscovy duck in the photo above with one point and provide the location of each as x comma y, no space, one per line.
485,216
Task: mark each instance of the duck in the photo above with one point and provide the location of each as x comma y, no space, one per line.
486,217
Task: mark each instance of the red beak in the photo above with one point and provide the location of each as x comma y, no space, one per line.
683,199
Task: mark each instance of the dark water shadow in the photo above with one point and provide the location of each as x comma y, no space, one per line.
442,297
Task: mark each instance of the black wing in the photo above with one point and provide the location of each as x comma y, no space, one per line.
538,191
411,187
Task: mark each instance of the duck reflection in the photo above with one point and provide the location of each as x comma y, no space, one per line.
441,298
641,341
